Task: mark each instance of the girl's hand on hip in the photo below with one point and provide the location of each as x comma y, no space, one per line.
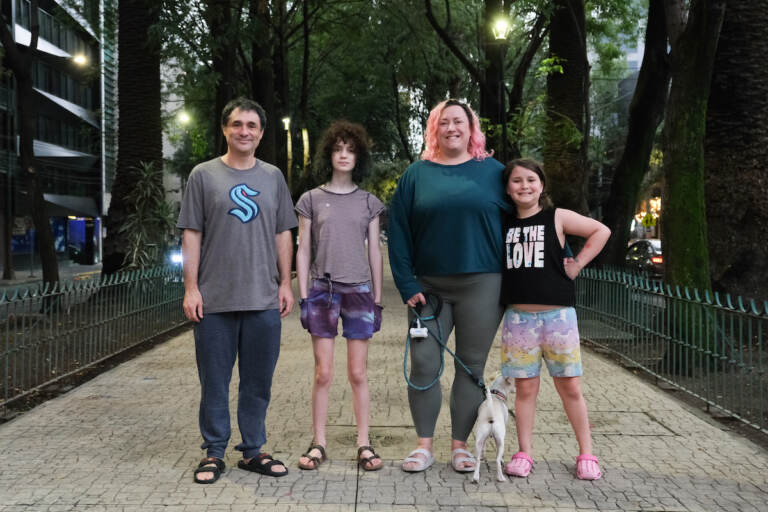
572,267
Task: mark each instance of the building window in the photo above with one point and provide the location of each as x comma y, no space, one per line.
53,31
46,25
63,85
22,8
71,135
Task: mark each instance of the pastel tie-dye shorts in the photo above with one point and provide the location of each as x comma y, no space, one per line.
527,337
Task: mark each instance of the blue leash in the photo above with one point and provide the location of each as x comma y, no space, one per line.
439,339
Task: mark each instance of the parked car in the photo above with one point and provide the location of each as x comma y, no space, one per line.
645,256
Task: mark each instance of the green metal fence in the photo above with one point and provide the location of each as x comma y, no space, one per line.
48,334
709,346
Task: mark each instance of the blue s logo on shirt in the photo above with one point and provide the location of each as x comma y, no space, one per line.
240,195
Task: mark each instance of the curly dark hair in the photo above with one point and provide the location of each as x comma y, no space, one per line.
353,134
531,165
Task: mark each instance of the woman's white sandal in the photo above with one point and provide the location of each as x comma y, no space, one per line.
422,464
458,462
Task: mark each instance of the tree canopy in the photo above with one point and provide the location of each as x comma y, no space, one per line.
559,88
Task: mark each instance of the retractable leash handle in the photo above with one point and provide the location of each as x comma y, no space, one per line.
420,331
417,330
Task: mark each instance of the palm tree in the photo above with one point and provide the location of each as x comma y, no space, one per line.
139,137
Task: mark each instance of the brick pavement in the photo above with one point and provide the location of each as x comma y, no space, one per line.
128,441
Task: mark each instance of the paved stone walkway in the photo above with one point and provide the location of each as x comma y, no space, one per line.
128,441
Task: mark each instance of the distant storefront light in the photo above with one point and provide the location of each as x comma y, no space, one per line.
654,205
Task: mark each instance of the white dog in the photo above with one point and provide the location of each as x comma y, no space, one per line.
492,416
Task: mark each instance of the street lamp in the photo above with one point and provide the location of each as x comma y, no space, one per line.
184,118
80,59
288,148
305,143
501,29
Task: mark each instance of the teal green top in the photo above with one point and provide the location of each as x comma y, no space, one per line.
445,219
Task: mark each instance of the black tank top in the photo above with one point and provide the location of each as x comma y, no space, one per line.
533,264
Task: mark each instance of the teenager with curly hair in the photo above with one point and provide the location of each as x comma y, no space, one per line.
335,220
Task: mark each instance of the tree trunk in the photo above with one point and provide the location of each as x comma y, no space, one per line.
281,70
684,225
645,113
263,82
304,97
492,90
404,143
565,157
139,137
218,16
27,110
736,189
20,62
435,89
515,95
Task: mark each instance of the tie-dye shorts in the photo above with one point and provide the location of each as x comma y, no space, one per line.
330,300
526,337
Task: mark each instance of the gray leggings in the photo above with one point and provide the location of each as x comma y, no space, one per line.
471,305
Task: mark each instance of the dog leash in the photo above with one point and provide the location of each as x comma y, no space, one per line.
438,337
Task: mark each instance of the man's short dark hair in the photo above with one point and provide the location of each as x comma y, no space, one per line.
244,104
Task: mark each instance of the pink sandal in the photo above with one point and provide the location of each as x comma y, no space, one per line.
520,465
587,468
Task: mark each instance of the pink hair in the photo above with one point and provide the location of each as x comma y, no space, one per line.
476,146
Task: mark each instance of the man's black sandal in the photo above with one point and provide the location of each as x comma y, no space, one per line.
210,465
314,461
257,465
367,462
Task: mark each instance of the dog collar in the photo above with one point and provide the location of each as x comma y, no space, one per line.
499,394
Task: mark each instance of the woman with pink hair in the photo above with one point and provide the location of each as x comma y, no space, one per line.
445,241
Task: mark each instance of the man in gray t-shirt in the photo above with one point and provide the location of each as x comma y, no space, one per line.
237,215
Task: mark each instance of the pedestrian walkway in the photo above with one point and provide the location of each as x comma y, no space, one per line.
128,441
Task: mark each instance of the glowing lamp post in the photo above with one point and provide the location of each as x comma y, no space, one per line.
500,30
288,148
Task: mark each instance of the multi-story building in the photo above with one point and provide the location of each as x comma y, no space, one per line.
74,77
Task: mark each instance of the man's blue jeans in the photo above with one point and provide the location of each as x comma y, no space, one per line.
253,337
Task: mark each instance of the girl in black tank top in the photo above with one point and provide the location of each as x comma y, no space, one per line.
539,293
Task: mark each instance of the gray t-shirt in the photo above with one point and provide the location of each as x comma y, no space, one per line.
239,213
339,229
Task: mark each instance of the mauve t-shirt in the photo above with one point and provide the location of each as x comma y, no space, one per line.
339,230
